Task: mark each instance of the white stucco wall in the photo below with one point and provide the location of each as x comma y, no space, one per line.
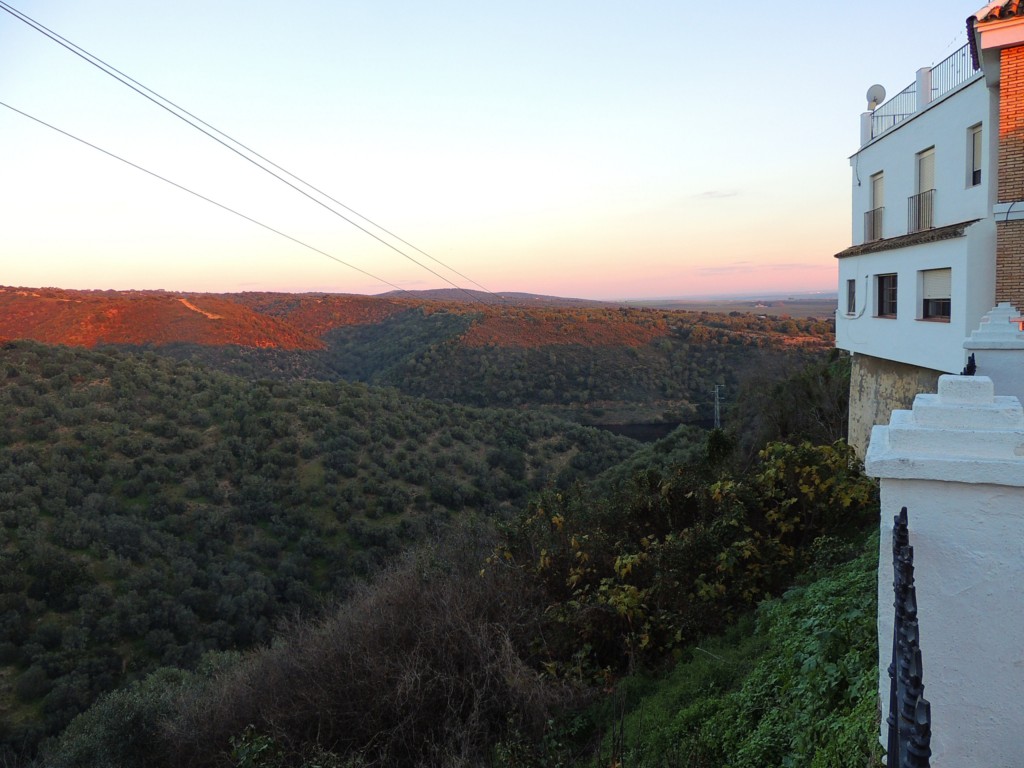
957,463
969,574
907,338
943,125
998,347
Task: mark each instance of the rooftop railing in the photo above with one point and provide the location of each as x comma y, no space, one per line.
955,69
895,110
945,76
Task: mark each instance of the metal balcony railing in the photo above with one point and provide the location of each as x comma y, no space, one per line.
895,110
873,224
949,73
920,209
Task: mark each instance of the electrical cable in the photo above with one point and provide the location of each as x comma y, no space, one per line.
184,115
202,197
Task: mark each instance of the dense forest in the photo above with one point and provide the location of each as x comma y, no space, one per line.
153,510
397,544
526,645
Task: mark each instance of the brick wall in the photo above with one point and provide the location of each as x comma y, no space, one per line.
1010,235
1010,262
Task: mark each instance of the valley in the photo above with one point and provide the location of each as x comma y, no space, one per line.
189,480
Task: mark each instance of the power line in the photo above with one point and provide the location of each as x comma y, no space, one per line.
197,123
201,196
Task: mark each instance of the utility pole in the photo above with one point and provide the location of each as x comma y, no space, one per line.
718,406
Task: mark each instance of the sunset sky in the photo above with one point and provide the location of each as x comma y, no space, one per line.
591,149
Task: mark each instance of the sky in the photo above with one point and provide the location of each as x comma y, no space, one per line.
599,149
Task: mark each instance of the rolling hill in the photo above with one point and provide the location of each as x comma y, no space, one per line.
590,363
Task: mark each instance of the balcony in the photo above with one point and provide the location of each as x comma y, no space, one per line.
920,209
873,225
931,83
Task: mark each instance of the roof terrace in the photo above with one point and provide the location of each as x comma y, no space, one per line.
930,85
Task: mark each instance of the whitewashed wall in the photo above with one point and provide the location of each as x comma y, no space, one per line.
956,461
906,338
944,125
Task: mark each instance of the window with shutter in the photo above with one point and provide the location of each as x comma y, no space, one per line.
974,156
920,206
873,218
926,170
935,294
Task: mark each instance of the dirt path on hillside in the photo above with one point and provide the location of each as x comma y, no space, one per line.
194,308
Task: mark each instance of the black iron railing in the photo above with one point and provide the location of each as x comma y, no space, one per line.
955,69
949,73
910,714
873,224
920,209
895,110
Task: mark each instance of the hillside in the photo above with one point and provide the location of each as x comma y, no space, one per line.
318,313
153,510
482,651
88,318
591,364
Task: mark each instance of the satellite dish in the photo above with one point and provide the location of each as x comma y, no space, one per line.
876,95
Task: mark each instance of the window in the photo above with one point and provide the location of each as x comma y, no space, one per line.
886,295
935,293
920,206
974,156
873,218
926,170
851,297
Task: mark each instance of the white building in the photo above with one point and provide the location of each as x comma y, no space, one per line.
938,219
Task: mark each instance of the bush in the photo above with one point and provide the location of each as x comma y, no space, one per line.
676,555
121,730
800,691
32,684
425,667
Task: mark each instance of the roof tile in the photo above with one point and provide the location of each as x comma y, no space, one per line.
904,241
1000,10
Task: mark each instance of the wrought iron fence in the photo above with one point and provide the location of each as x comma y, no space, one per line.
895,110
910,714
955,69
873,224
920,210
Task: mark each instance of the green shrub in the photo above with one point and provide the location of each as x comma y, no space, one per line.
800,691
121,730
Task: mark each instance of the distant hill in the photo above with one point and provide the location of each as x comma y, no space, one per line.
504,298
819,306
318,313
586,361
88,318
